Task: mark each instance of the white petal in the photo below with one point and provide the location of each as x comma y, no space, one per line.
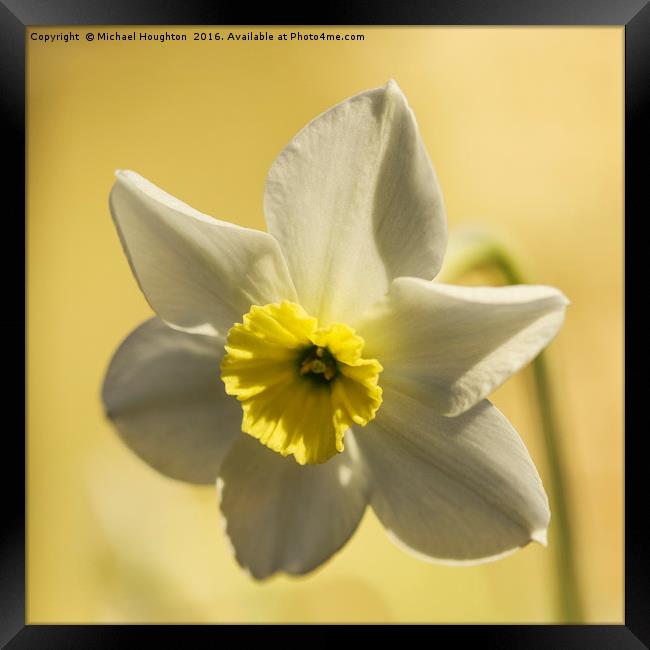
354,202
460,489
452,346
198,273
282,516
163,393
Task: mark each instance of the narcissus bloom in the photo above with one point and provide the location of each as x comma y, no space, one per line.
316,369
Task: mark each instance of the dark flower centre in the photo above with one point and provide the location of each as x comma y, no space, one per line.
318,363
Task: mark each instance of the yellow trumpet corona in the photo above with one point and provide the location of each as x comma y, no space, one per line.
300,386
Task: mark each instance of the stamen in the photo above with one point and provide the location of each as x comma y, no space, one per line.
319,361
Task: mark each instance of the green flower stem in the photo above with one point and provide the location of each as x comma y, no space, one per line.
476,252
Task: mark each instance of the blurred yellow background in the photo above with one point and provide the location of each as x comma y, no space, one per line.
525,129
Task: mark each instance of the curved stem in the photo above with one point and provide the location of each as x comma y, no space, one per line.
480,251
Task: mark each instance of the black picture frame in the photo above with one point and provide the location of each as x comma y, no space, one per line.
17,15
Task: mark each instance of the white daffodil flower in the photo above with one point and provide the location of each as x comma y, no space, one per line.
316,369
